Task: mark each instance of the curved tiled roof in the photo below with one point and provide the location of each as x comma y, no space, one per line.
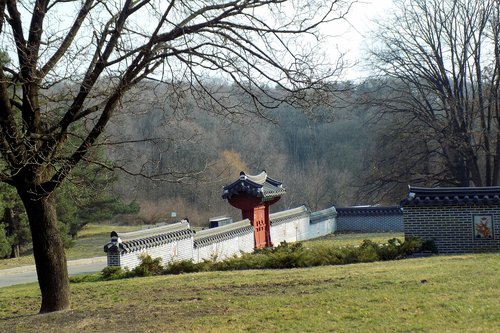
260,186
287,215
323,215
142,239
452,196
139,244
369,211
222,233
154,231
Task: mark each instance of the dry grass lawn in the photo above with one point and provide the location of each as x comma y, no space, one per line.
437,294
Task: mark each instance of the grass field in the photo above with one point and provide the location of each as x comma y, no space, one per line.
435,294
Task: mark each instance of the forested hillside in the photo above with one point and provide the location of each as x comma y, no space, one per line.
321,154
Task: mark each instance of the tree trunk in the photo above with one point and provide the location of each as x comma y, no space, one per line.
48,250
15,250
12,230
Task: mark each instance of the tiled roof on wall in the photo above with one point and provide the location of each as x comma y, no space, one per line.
320,216
287,215
369,211
260,186
222,233
452,196
137,240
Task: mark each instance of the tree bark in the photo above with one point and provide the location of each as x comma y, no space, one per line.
15,251
48,250
12,230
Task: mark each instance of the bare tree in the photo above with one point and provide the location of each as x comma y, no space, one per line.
439,70
94,52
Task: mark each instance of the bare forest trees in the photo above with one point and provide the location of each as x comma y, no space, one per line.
72,62
439,66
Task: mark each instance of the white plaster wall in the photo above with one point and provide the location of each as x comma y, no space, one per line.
286,231
130,260
185,249
173,251
298,228
246,243
302,225
321,228
221,250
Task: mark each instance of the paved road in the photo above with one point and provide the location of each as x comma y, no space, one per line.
27,274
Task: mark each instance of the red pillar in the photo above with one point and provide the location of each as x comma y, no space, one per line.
249,195
258,214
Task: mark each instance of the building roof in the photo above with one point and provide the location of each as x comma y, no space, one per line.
452,196
260,186
369,211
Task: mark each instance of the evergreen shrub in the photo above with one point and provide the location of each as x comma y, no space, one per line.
185,266
148,266
113,273
286,255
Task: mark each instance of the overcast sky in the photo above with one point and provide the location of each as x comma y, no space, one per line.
353,36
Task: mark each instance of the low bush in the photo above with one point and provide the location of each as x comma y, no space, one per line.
185,266
409,246
429,246
113,273
237,263
286,255
148,266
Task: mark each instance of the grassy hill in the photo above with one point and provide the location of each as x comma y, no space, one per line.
436,294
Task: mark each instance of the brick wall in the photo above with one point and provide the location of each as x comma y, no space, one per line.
369,219
452,227
113,258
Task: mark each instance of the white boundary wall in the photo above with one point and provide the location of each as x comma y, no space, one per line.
179,242
223,242
289,226
322,223
171,242
176,250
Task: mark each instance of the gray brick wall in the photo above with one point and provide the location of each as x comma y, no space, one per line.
113,258
452,227
369,219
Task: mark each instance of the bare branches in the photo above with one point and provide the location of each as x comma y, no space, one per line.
77,61
438,56
14,20
101,49
173,176
69,38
